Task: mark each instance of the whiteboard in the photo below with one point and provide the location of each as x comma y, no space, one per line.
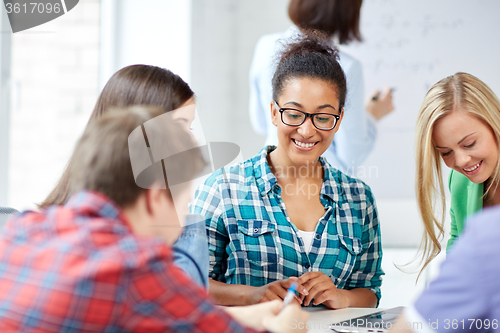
410,45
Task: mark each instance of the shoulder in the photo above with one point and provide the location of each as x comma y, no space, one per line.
269,40
457,181
485,226
461,189
349,63
267,46
467,279
478,242
277,39
270,45
24,218
240,173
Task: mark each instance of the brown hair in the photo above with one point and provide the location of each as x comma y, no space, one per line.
102,163
132,85
334,17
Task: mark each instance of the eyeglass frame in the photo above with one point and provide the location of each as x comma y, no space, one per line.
311,115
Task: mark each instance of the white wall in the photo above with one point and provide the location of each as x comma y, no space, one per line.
5,49
410,45
54,88
224,36
151,32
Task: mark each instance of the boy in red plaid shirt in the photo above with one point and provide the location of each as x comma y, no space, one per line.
101,262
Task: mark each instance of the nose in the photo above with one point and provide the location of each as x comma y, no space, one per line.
462,159
307,129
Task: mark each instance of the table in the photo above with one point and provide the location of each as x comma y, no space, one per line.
321,318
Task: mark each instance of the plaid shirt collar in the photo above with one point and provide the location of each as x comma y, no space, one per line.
266,179
97,204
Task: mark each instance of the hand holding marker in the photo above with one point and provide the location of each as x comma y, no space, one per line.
380,104
377,95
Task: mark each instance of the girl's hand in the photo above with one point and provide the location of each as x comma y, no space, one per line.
284,321
381,106
275,290
322,290
268,316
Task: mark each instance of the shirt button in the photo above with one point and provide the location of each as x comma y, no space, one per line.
318,236
306,266
256,230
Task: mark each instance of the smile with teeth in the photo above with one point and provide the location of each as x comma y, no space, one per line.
473,167
303,144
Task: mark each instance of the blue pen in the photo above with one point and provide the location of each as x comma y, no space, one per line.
290,294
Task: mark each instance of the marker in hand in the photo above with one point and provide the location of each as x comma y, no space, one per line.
290,295
377,95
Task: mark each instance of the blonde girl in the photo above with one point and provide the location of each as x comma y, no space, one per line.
458,123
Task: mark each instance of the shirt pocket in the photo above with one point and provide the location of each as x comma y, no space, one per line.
351,244
349,249
257,239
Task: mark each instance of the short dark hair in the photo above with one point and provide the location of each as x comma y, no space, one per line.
310,55
102,157
334,17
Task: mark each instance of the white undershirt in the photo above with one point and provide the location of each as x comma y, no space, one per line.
307,238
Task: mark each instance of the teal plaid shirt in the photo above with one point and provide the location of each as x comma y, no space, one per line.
252,241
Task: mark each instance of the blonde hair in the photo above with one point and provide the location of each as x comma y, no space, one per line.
460,92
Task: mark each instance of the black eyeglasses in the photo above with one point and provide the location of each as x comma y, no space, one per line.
293,117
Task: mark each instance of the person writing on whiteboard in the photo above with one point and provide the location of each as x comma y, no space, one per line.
337,18
286,215
459,121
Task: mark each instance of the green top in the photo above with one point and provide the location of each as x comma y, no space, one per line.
466,199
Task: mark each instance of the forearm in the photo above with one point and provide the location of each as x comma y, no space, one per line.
360,298
229,294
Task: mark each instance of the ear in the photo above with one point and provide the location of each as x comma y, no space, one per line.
274,114
155,200
149,198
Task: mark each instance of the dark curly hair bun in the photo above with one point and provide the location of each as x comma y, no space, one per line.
310,54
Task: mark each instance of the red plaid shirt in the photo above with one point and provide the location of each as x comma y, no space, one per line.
79,267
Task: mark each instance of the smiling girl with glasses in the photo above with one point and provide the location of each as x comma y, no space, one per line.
286,215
